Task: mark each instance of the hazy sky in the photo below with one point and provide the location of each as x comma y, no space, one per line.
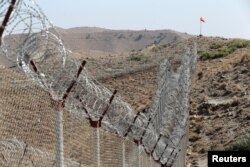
227,18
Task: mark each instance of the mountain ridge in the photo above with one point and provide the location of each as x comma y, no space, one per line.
80,39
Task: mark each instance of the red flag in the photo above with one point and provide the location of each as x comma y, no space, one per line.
202,19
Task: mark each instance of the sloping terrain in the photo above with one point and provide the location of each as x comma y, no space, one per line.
94,42
136,88
84,39
220,104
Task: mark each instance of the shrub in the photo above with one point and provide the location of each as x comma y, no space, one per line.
218,50
238,43
232,49
205,55
165,45
158,48
135,56
242,144
215,46
221,52
199,52
214,54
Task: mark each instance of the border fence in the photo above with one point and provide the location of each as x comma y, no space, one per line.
54,113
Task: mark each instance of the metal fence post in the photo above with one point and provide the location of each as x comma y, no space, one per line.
97,147
123,154
59,138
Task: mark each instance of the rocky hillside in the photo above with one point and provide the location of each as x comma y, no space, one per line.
220,104
94,42
84,39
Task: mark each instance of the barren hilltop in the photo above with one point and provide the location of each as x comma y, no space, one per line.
82,39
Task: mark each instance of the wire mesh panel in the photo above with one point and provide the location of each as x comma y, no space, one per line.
26,121
99,147
110,150
79,143
143,158
71,119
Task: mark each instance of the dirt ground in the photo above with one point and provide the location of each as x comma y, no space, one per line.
220,104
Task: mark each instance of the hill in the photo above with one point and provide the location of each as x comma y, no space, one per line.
95,42
83,39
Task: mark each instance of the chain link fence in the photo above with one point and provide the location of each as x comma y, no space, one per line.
54,113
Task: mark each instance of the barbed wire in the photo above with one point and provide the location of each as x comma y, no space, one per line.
30,40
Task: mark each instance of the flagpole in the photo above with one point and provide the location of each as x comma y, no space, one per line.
200,28
202,20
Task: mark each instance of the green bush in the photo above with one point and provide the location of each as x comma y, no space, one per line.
165,45
136,56
158,48
199,52
214,54
217,50
232,49
222,52
215,46
205,55
242,144
236,43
